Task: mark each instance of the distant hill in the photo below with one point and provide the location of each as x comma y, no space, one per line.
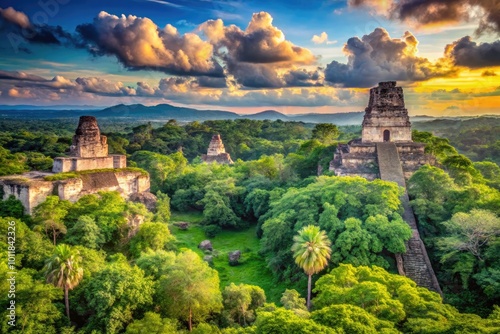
164,112
271,115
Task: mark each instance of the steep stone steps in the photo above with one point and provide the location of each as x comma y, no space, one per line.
416,263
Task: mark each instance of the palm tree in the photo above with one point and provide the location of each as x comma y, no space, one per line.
63,270
311,250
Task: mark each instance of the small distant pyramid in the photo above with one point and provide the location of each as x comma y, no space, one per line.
216,152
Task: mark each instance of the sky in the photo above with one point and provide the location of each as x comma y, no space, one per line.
292,56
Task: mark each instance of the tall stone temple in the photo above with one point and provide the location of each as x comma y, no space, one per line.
386,120
216,152
89,153
386,151
89,150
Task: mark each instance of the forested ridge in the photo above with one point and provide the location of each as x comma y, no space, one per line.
136,271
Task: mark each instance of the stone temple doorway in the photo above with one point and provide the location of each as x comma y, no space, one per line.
387,135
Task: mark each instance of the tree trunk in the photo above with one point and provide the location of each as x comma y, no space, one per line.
399,262
190,320
66,301
54,236
309,293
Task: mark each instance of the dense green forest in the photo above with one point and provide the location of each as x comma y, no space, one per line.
106,265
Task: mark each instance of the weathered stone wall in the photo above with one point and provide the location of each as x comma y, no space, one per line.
32,192
386,112
62,165
216,146
126,183
29,193
87,141
119,161
386,95
360,159
89,150
376,133
216,152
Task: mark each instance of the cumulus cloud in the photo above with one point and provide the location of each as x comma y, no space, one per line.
378,57
380,6
104,87
181,91
468,53
439,12
254,56
15,75
22,93
19,30
321,38
139,43
303,78
13,16
260,42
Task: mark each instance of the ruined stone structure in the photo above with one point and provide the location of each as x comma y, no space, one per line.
32,188
89,153
89,150
386,151
385,120
216,152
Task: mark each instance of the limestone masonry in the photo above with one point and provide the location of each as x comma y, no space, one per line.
89,150
385,120
89,153
216,152
386,151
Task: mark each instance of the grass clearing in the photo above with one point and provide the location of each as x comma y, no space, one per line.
252,268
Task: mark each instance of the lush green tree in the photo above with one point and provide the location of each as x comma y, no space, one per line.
115,295
63,270
38,161
329,202
325,132
36,303
438,147
160,167
490,171
430,204
12,163
469,232
190,289
162,214
460,168
311,250
392,299
155,263
85,232
32,248
291,300
241,301
346,318
135,214
152,323
116,218
11,207
50,214
282,321
154,236
218,211
470,249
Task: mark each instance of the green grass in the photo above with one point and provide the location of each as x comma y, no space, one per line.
252,268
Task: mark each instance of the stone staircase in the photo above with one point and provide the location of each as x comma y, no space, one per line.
416,263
